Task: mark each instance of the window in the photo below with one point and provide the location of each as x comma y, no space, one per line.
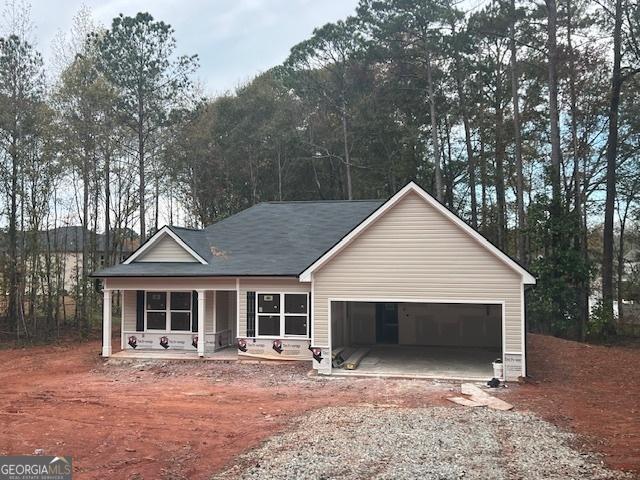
177,310
269,325
282,314
156,310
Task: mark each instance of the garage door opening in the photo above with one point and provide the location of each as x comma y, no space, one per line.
434,340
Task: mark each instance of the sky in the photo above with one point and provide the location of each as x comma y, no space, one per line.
234,39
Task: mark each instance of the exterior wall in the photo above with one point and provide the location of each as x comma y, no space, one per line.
414,252
208,307
166,249
287,348
128,311
177,340
265,285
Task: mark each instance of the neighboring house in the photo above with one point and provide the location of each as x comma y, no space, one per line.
405,280
68,242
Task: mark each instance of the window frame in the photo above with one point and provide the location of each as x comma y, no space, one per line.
282,314
168,311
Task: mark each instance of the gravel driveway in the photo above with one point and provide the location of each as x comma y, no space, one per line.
427,443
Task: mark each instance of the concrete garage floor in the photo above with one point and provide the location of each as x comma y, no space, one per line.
454,363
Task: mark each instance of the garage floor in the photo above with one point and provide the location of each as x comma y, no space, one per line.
456,363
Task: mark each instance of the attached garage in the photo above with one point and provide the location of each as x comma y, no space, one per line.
451,300
443,340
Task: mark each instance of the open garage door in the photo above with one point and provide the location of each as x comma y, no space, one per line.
441,340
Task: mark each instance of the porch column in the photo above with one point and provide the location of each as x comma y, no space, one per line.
106,323
201,313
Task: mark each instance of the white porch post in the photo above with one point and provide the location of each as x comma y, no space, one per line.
201,313
106,324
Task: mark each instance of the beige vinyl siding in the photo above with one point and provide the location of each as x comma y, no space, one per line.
414,252
266,285
208,309
129,310
166,249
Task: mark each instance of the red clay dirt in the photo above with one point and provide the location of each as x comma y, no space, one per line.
168,420
188,419
594,390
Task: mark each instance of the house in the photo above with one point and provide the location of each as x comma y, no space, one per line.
404,281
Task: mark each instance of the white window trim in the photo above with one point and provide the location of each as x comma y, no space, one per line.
168,311
282,314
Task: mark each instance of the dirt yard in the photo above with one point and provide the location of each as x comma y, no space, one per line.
189,420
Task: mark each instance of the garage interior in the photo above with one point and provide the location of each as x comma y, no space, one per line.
431,340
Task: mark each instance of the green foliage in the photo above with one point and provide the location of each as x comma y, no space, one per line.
560,269
600,323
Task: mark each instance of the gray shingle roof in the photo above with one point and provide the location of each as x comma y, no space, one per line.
268,239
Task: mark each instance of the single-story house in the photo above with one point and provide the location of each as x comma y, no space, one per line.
404,281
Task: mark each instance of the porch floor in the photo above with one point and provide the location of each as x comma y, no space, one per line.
452,363
225,354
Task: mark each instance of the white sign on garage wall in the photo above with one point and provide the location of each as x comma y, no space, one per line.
512,366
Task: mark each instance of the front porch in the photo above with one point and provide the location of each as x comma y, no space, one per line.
172,320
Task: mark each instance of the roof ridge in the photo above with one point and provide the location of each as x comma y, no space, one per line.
321,201
186,228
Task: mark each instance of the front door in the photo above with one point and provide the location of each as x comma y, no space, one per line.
387,323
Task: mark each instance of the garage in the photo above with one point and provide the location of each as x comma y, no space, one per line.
456,340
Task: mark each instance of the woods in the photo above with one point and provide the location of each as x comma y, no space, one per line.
521,117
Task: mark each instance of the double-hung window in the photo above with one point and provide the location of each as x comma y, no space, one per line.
282,314
168,311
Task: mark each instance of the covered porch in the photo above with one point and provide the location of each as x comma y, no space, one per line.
172,318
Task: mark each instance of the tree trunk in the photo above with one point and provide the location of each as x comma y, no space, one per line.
279,174
612,150
347,155
471,168
434,131
582,296
520,231
483,185
141,153
500,154
13,307
556,153
107,215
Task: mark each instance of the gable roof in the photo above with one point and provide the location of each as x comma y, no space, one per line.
268,239
291,239
165,231
305,276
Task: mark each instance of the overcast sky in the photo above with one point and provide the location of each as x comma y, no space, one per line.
235,39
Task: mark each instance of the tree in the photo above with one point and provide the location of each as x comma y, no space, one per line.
84,100
136,56
21,92
322,71
625,14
